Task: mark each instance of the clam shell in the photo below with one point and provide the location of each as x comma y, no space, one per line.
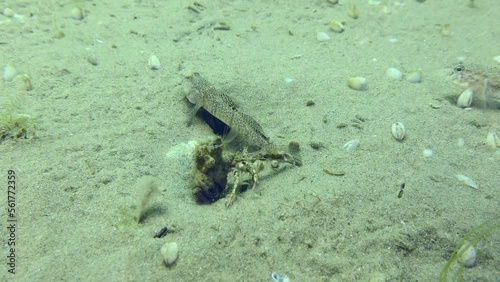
398,131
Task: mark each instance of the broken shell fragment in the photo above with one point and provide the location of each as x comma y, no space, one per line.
492,140
358,83
337,26
398,131
351,145
170,252
9,73
467,181
465,98
414,76
154,63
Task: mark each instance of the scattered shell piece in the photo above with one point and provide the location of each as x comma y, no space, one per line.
154,63
394,73
492,140
461,142
170,252
352,145
467,181
77,13
8,12
465,98
446,30
26,80
497,59
92,59
358,83
279,278
414,76
467,255
9,72
337,26
427,153
352,11
322,36
398,131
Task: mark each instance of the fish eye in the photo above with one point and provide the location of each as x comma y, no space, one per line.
459,69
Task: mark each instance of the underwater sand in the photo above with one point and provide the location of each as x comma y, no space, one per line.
100,128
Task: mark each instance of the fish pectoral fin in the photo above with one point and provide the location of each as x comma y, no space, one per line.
192,113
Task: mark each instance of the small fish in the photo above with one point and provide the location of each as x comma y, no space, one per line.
484,84
204,95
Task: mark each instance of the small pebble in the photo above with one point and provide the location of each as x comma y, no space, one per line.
170,252
394,73
322,36
154,63
358,83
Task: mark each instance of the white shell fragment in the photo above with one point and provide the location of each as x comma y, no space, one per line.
468,255
358,83
394,73
154,63
467,181
414,76
492,140
465,99
170,252
322,36
9,73
77,13
398,131
351,145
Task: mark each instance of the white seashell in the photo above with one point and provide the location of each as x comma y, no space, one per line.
414,76
8,12
351,145
465,99
170,252
358,83
77,13
467,181
322,36
427,153
398,131
9,72
394,73
492,140
154,63
467,255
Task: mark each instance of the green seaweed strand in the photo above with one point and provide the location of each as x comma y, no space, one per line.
471,239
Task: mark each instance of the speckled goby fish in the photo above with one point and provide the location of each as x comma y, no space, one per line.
204,95
484,84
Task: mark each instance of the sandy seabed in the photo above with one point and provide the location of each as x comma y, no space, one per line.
104,120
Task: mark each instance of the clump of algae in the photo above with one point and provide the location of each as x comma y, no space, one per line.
471,239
